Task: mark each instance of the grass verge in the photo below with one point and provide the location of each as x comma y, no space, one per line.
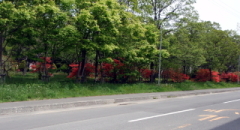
23,88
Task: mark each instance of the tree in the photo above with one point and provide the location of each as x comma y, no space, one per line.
186,48
13,19
220,50
50,20
141,41
96,23
164,12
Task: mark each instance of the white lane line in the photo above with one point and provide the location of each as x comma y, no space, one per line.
232,101
171,113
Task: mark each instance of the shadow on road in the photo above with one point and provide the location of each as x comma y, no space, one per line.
233,125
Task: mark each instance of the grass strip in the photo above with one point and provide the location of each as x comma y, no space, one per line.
24,88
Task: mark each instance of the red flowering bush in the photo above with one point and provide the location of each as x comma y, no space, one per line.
185,77
225,76
88,69
117,64
175,76
106,69
146,73
203,75
233,77
166,74
113,71
44,66
73,71
179,77
215,76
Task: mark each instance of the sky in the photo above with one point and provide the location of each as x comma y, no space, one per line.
224,12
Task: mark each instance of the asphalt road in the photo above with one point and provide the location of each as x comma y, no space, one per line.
205,112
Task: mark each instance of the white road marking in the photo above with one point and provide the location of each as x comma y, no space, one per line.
232,101
171,113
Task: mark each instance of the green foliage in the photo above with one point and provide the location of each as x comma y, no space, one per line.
185,46
97,31
63,67
220,50
22,64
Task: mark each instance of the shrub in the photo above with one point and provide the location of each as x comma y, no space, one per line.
175,75
146,73
233,77
88,69
203,75
44,66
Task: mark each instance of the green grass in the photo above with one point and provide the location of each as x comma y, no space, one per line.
28,87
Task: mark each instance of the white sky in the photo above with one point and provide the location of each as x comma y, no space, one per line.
224,12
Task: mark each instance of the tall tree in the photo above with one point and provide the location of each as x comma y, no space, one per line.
186,46
96,23
13,19
164,12
48,22
220,50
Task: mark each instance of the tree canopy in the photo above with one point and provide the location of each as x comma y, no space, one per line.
99,32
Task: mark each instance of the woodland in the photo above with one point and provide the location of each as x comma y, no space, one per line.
116,41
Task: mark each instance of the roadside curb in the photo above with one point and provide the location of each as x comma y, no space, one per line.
76,104
54,106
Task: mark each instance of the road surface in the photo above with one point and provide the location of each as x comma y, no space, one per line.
206,112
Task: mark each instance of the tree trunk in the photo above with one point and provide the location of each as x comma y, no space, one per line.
114,80
44,75
84,53
96,65
25,68
78,72
139,75
45,62
152,76
210,71
53,59
102,79
184,67
1,53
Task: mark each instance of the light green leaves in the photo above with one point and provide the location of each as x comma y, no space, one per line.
85,21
